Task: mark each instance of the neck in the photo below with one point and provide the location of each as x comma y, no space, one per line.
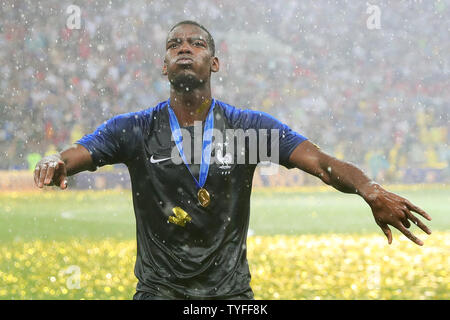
190,106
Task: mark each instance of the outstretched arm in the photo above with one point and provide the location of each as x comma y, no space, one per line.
387,208
54,169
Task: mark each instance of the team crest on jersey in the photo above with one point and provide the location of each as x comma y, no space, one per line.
223,159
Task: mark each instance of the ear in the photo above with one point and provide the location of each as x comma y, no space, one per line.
164,69
215,65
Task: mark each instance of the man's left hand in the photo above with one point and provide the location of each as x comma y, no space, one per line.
391,209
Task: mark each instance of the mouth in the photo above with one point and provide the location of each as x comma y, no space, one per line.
184,60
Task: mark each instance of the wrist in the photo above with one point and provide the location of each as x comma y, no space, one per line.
370,192
53,157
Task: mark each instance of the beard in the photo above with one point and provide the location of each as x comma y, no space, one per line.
186,82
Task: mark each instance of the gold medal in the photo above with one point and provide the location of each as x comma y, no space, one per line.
203,197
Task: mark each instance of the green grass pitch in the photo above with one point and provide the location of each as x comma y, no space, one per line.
60,215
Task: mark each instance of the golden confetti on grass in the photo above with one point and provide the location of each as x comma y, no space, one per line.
282,267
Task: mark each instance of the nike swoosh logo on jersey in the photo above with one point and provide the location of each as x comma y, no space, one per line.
153,160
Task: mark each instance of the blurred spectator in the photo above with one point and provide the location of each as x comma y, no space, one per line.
378,98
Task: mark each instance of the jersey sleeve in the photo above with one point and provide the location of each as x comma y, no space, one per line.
111,142
288,139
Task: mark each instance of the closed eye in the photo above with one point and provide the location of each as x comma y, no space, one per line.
199,43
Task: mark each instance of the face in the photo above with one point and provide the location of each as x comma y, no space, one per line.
188,62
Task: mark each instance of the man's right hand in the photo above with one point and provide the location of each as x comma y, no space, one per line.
51,171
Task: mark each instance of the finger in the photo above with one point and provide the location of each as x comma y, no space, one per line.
36,175
418,210
406,223
409,234
50,172
387,231
418,223
62,181
42,175
403,218
63,184
62,176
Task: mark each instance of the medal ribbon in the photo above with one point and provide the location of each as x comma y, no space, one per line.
206,146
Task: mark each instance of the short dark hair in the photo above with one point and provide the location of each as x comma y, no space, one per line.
210,39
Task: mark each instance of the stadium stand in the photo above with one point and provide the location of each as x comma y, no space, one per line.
377,98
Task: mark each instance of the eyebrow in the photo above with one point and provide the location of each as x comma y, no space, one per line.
190,38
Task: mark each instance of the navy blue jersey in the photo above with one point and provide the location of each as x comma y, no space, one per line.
185,250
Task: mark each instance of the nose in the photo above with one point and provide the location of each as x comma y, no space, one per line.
185,48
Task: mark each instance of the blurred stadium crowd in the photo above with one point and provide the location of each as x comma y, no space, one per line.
379,98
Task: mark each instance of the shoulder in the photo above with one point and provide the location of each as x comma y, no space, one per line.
233,113
247,118
134,121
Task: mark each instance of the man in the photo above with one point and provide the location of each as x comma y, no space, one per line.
192,216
